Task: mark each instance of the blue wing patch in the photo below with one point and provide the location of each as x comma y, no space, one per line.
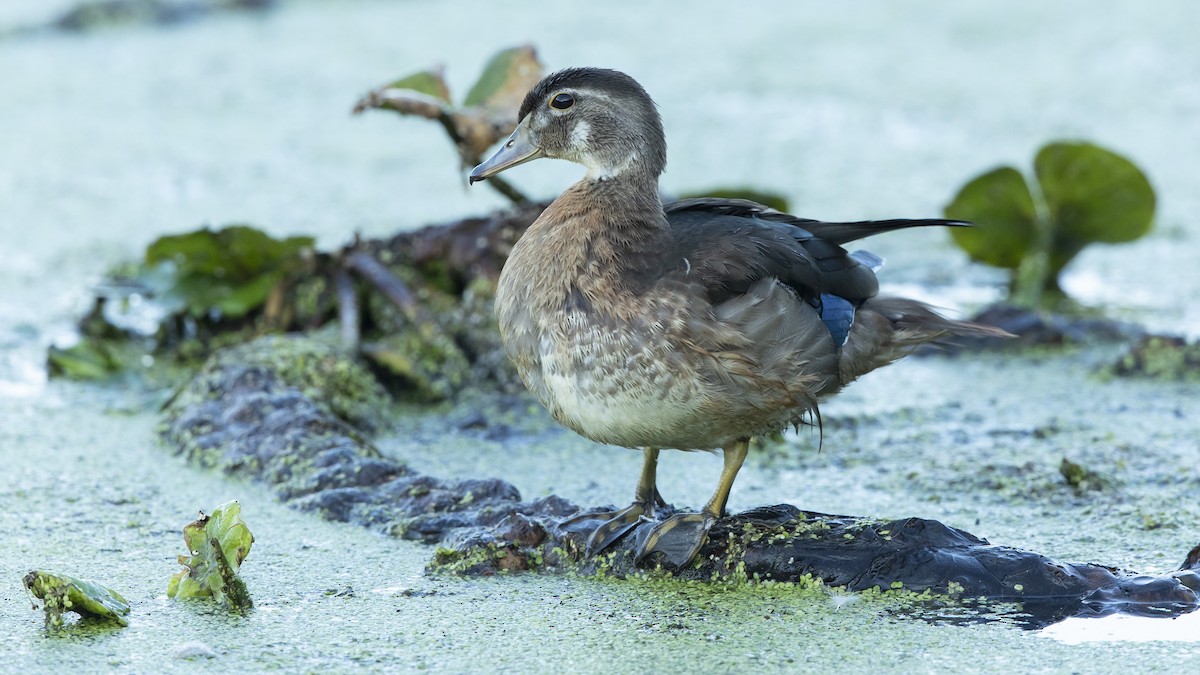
869,259
837,312
838,315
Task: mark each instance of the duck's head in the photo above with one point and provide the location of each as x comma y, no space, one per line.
599,118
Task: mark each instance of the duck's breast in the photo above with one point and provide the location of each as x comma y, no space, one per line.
622,381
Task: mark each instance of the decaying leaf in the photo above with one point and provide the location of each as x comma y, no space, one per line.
423,94
218,543
487,114
88,599
505,80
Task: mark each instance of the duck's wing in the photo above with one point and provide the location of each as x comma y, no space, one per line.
835,233
730,244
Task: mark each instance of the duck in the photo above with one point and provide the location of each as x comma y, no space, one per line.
697,324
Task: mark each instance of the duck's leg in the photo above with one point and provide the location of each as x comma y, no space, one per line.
617,523
680,537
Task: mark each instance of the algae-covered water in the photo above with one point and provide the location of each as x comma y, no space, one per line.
113,137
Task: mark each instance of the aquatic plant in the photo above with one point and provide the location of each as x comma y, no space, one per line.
223,274
1160,357
1081,194
88,599
486,115
217,545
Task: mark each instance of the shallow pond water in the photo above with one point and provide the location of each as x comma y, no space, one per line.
114,137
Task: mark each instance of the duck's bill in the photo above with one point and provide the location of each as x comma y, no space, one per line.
516,150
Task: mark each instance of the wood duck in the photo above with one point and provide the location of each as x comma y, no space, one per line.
695,325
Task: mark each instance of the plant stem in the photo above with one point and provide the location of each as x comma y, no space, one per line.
471,159
1030,278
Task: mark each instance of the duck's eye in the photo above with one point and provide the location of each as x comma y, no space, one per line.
562,101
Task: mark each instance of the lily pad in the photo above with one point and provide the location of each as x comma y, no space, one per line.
1002,208
1085,194
1093,194
88,599
218,544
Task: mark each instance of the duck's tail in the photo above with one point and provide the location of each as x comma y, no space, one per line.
841,233
886,329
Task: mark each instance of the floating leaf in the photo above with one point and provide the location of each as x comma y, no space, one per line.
218,544
88,599
1082,479
1001,207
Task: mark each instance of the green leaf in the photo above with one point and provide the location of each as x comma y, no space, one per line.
428,82
229,272
218,544
423,94
506,78
1001,206
88,360
1093,194
62,593
235,252
243,299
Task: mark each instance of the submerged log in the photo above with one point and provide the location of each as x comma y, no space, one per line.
288,411
784,544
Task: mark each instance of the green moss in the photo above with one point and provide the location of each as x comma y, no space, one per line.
311,364
1082,479
431,366
486,559
1159,357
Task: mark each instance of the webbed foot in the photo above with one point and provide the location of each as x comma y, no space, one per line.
616,523
616,526
677,538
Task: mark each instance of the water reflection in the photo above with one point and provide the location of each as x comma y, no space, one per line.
1126,628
